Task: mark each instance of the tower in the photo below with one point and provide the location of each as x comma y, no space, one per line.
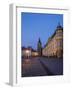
39,47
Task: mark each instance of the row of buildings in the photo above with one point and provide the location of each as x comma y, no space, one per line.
27,52
53,47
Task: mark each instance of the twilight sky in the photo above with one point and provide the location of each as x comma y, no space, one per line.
36,25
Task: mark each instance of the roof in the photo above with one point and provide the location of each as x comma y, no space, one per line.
29,48
59,27
23,48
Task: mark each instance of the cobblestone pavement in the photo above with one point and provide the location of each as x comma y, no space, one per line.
42,66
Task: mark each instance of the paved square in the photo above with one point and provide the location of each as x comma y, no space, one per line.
42,66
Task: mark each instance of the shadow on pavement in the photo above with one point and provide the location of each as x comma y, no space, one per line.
46,69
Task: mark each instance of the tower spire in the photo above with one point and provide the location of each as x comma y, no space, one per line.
39,47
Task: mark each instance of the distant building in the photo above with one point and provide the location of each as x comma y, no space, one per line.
39,47
28,52
54,45
34,53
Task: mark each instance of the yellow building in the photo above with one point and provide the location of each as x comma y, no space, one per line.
34,53
54,45
28,52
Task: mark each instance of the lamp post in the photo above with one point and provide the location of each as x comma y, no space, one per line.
28,53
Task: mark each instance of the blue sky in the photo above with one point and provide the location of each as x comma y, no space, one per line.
36,25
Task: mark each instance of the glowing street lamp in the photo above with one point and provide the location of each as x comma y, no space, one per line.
27,51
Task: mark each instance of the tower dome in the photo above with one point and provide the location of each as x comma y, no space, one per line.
59,27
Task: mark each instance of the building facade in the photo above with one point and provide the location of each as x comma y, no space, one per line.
34,53
54,45
29,52
26,52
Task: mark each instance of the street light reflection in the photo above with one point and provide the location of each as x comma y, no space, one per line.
26,63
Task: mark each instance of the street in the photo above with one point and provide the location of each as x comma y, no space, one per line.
42,66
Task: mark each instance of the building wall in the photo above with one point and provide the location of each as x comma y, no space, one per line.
54,46
34,53
26,53
29,53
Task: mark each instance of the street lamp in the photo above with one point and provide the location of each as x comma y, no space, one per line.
28,53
